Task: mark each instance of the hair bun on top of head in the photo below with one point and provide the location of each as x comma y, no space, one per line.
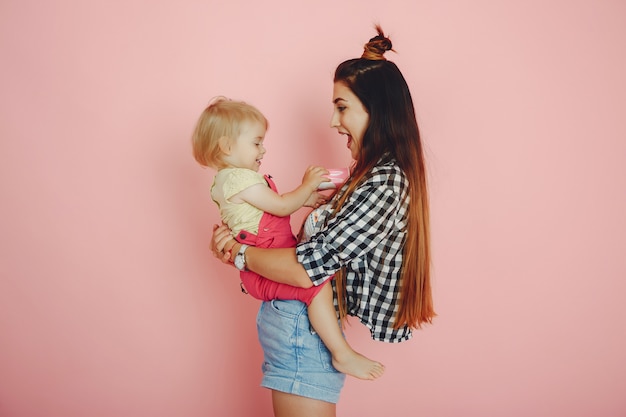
375,49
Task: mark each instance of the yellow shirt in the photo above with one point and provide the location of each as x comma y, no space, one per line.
238,216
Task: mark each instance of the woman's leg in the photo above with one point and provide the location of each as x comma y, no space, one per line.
296,362
290,405
345,359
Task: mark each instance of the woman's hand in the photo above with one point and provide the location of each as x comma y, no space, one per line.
315,200
222,243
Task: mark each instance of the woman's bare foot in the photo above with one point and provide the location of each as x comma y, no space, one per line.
356,365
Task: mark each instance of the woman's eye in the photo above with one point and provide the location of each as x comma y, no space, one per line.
341,109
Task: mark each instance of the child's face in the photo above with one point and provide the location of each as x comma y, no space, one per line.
349,117
247,150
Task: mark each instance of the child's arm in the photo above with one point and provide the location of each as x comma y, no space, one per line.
263,198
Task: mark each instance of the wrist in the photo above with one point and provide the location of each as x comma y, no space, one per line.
308,187
236,247
232,250
240,258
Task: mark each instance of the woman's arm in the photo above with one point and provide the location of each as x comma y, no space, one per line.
278,264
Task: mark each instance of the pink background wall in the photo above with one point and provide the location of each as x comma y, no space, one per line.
110,303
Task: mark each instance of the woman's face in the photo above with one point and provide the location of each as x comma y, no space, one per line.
349,117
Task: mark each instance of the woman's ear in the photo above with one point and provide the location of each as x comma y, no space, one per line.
224,143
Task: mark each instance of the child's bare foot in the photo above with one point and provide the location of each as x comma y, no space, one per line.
356,365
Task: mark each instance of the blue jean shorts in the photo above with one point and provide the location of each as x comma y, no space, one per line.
295,358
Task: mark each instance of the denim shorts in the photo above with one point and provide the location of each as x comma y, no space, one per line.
295,359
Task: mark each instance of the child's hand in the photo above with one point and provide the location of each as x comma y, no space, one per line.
314,176
315,200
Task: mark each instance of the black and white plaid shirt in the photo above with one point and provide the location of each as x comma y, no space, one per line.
367,237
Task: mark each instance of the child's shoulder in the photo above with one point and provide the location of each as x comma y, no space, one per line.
234,180
237,174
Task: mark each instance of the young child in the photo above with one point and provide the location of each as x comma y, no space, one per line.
229,138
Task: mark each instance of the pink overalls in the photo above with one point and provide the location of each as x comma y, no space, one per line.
274,232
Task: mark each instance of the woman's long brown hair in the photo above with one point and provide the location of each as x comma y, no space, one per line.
392,132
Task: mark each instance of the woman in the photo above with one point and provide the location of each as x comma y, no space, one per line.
374,240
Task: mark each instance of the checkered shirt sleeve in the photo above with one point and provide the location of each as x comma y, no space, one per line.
366,237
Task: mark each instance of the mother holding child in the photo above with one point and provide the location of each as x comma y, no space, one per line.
370,242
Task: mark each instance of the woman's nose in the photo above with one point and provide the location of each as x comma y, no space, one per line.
334,120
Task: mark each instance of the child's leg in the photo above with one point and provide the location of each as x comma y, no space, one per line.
324,320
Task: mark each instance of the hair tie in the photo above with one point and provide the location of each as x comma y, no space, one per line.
375,49
373,53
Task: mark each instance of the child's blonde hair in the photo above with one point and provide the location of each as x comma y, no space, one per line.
223,118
